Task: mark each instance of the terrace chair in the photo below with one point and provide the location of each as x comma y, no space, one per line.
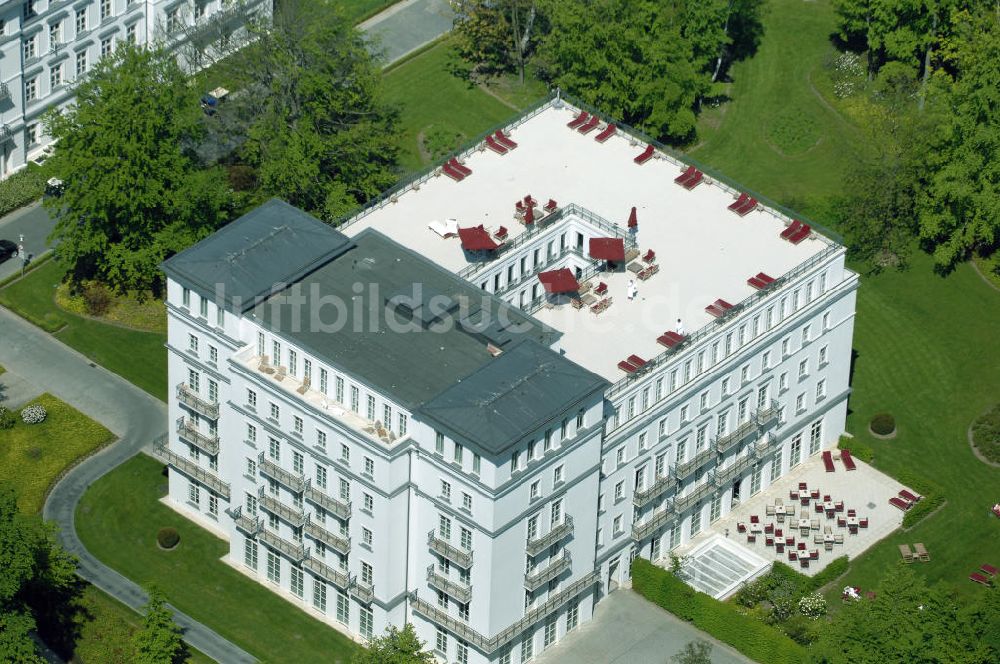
693,181
607,133
826,498
754,518
578,120
492,144
838,539
647,272
503,140
790,512
921,552
863,522
801,546
589,125
756,283
501,233
814,494
741,527
768,540
793,494
749,206
459,167
646,155
779,547
979,578
909,497
791,229
842,521
814,524
304,387
649,256
802,486
769,510
817,539
904,551
847,459
852,512
751,538
778,532
838,506
769,528
814,554
265,365
551,206
279,375
818,508
989,569
793,555
529,201
601,289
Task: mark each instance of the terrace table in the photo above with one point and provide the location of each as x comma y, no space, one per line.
589,299
829,508
756,527
852,522
779,512
804,526
635,268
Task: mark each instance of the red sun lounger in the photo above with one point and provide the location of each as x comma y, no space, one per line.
646,155
791,229
979,578
739,203
989,569
636,361
718,308
828,461
909,497
492,144
625,366
461,168
847,459
607,133
455,174
901,504
589,125
503,140
756,283
749,205
578,120
803,232
686,175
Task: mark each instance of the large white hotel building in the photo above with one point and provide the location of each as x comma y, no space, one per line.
389,427
46,46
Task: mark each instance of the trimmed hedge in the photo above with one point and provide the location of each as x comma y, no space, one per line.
883,424
725,622
858,449
836,568
168,537
21,188
933,497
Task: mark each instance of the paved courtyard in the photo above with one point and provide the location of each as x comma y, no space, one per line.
626,629
408,25
865,490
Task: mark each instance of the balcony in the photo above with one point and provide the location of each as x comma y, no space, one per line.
660,486
702,491
269,503
189,398
4,92
726,475
442,547
270,469
456,589
660,518
768,415
724,443
365,592
6,133
331,505
535,580
766,443
336,542
324,571
191,469
296,552
189,433
554,535
250,525
686,468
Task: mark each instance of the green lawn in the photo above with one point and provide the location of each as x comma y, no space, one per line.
117,521
32,456
359,10
139,357
438,107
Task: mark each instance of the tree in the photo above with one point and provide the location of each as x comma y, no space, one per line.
396,646
134,191
317,131
496,36
159,640
694,652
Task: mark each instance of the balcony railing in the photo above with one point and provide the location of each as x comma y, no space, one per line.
765,444
705,489
660,518
4,91
324,571
489,645
725,475
6,133
331,505
659,487
250,525
442,547
335,542
456,589
557,532
188,397
724,443
268,468
365,592
694,463
191,469
768,415
269,503
296,552
189,433
535,580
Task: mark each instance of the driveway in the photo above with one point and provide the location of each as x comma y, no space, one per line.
408,25
626,629
134,416
35,223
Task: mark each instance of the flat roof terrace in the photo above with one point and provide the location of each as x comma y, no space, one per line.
704,250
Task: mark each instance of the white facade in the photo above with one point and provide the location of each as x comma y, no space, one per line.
494,557
47,45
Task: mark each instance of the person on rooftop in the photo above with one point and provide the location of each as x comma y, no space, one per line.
679,328
631,289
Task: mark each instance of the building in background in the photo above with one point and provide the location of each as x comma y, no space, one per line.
450,411
46,46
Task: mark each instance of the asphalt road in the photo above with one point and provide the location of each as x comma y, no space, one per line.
35,223
406,26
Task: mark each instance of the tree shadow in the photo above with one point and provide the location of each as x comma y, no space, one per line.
60,615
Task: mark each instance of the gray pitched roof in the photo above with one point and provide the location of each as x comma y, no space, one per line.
409,349
511,395
273,245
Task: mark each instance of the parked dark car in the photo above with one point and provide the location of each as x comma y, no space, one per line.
7,250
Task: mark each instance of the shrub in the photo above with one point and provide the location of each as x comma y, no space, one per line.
835,569
812,605
883,424
33,414
21,188
933,497
986,433
242,177
802,630
858,449
723,621
7,419
96,298
168,537
752,593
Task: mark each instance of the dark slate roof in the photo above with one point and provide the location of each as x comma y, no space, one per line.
512,395
275,244
433,343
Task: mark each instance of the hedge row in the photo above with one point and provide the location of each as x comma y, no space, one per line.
21,188
933,497
858,449
807,584
750,636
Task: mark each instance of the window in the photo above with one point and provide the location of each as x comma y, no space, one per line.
783,381
345,453
371,407
557,475
458,454
661,464
703,400
251,504
465,539
252,468
806,333
823,356
213,355
273,567
786,345
367,575
726,385
815,436
194,380
662,433
274,449
515,461
387,416
527,648
81,21
275,411
30,47
173,20
319,594
762,393
550,632
297,462
535,490
30,94
296,583
643,442
345,490
800,403
722,424
355,398
755,479
343,608
441,642
297,425
743,410
462,651
775,467
194,494
477,463
803,368
572,616
366,619
555,513
251,399
826,320
682,451
55,76
105,9
339,389
696,521
821,390
745,373
369,467
617,525
132,37
795,456
250,554
366,537
685,414
321,476
321,440
701,437
402,432
446,490
621,455
466,502
716,507
439,443
199,9
293,362
765,361
630,410
620,490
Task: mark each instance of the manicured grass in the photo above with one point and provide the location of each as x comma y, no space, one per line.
117,520
139,357
32,456
106,628
779,135
358,10
435,103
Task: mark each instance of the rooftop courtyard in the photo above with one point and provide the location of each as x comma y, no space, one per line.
703,250
865,491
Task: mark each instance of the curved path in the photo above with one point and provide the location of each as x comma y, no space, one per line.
134,416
